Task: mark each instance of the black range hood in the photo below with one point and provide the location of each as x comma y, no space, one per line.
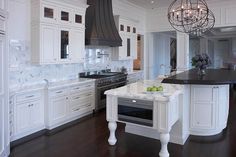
100,25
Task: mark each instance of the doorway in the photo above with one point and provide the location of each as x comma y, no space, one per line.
138,63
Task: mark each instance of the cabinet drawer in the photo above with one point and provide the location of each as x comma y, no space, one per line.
83,106
78,88
82,96
2,25
28,96
58,92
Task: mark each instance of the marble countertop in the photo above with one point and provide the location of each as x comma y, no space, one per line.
138,91
134,72
61,83
48,84
212,77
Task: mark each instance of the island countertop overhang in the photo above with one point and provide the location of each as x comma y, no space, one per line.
138,91
212,77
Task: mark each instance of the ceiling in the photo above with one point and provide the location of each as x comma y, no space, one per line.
152,4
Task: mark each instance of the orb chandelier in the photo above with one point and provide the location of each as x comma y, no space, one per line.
191,16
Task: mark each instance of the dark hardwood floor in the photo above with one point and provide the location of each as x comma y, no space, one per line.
89,139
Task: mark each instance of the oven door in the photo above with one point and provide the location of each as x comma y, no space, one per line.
101,97
135,111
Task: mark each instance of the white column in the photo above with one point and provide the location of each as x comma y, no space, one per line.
112,138
183,60
164,138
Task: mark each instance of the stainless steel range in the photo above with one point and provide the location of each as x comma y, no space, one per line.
105,80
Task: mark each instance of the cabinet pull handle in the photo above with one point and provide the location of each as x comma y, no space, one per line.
77,88
59,92
30,96
77,109
77,98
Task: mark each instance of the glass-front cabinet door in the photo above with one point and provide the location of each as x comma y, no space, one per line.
65,16
64,44
49,13
78,19
128,52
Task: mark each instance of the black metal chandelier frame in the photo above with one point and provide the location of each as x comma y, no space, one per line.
190,17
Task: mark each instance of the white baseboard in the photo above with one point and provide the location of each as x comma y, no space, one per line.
151,133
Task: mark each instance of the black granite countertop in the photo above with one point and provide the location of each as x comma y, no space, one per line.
212,77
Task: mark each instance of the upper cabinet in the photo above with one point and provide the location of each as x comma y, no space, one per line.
128,33
57,32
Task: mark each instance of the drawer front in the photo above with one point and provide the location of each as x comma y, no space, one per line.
79,88
28,96
134,101
58,92
81,96
81,107
2,25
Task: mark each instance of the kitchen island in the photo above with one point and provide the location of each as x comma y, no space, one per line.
207,97
131,104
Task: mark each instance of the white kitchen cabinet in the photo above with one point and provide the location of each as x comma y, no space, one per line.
45,45
77,45
69,102
128,33
22,117
208,109
4,96
58,109
28,113
57,32
48,13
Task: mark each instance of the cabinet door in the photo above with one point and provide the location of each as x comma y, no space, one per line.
77,47
65,16
22,117
49,13
1,125
134,46
203,107
49,40
78,19
4,131
2,4
58,108
35,113
65,37
123,48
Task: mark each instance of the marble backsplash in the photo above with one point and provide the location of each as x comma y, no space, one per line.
23,73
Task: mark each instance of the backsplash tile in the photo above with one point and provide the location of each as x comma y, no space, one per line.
23,73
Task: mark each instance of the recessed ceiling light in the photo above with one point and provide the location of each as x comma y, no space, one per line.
152,2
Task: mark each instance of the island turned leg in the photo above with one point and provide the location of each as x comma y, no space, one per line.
164,138
112,127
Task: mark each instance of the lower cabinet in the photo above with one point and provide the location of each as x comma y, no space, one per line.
35,110
66,104
209,109
58,109
28,114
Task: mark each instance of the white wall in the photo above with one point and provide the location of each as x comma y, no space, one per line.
159,55
22,72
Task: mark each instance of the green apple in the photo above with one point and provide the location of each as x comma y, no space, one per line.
160,88
149,89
